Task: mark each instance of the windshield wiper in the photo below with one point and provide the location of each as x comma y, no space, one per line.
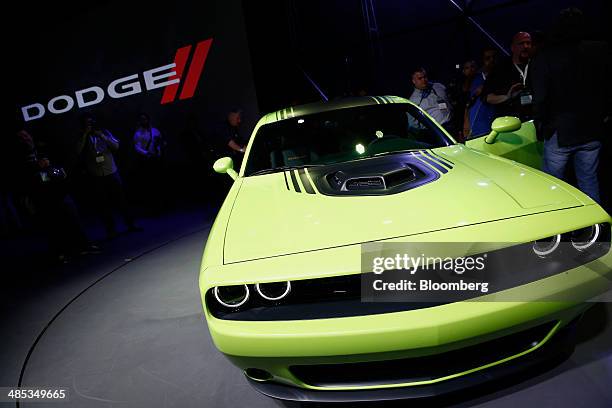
284,168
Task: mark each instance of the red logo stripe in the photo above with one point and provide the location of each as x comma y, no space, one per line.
180,59
195,69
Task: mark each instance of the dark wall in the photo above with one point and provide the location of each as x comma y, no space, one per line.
343,51
66,49
435,34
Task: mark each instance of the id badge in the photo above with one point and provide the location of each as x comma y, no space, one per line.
442,105
99,159
526,99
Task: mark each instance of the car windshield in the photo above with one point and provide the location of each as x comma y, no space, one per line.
342,135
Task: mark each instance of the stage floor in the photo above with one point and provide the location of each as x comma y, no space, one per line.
125,329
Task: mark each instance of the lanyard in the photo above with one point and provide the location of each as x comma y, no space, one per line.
430,91
523,73
94,141
150,132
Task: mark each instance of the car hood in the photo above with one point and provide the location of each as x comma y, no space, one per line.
270,217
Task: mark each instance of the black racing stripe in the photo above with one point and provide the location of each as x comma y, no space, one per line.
443,159
432,163
305,181
286,182
437,160
294,181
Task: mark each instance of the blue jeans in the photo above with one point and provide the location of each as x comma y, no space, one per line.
586,161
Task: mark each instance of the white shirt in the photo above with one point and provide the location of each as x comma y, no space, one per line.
434,101
147,142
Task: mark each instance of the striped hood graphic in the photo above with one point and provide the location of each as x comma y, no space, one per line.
375,176
295,211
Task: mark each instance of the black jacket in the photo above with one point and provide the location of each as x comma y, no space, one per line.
572,91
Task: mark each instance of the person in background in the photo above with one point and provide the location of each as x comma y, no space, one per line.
469,70
229,137
43,185
507,86
148,140
95,147
479,113
572,92
150,182
431,97
228,142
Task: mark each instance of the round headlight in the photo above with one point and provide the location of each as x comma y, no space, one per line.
232,296
273,290
583,238
546,246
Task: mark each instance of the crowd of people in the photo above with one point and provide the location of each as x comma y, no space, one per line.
562,83
45,196
560,80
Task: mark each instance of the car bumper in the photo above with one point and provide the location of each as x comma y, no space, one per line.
560,345
277,347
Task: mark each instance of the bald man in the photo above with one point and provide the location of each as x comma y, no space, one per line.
507,88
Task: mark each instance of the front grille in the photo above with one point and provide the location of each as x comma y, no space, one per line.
323,298
427,368
348,295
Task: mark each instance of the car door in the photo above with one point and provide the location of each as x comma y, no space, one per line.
521,145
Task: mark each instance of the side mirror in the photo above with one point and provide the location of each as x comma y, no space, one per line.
502,125
225,165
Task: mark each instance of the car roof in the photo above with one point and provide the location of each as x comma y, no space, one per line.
317,107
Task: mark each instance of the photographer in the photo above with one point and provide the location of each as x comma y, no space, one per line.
149,167
42,187
95,147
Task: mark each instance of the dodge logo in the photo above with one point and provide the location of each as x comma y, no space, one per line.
168,76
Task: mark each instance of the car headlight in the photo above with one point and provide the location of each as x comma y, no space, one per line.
273,290
546,246
584,238
342,295
232,296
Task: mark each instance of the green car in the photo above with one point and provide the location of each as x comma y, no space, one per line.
285,287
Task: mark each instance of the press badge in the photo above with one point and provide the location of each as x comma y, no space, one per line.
99,159
526,98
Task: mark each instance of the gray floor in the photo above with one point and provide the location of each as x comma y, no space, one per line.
137,338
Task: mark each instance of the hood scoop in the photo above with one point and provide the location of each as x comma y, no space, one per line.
364,183
375,176
378,182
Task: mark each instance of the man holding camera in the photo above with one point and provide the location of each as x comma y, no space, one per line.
40,188
96,146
